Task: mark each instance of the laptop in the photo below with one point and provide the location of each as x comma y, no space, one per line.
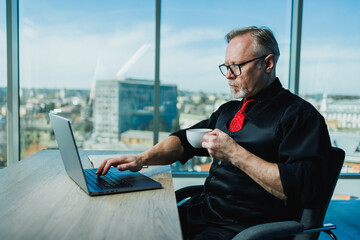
114,181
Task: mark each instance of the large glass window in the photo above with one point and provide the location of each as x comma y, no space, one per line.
91,62
94,64
193,45
329,72
3,84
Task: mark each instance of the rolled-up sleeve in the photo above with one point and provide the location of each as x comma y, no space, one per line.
303,153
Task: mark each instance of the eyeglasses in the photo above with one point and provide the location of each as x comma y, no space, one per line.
236,68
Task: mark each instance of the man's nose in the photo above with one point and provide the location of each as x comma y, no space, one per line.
229,74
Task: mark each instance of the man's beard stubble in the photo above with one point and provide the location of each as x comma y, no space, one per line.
241,93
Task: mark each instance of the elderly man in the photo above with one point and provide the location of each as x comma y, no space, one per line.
269,150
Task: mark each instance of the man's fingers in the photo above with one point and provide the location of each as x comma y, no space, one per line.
125,166
211,154
101,167
213,133
107,164
122,163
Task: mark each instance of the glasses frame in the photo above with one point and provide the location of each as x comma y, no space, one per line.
239,66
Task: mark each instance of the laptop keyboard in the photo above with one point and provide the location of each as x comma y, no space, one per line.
108,181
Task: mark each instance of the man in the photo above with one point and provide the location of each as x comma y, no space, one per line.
266,165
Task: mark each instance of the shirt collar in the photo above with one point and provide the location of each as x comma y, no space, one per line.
269,91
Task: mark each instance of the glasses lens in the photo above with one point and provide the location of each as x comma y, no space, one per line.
223,69
235,69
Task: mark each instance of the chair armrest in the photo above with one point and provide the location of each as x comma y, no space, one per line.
189,191
326,228
272,230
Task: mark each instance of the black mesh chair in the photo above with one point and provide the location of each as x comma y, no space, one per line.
311,222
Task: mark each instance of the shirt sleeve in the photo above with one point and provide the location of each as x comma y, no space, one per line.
303,153
189,150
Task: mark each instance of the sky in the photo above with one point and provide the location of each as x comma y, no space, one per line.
66,43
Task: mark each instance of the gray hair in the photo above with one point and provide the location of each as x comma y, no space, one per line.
264,40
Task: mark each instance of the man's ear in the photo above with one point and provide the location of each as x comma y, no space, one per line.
269,63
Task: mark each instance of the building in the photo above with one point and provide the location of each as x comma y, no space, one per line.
128,104
140,139
350,143
341,114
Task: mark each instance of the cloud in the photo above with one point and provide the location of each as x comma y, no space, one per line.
61,57
329,68
3,64
172,37
66,56
329,52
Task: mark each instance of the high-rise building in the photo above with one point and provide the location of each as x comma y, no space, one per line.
124,104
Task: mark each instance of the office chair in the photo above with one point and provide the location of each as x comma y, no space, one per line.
311,222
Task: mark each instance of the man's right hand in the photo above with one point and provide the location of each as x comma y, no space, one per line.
122,163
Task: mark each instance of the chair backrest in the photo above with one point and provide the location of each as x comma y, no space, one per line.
312,218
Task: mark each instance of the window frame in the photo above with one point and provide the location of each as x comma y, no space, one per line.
12,35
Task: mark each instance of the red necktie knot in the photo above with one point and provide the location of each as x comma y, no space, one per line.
238,120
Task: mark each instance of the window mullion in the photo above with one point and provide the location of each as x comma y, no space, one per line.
295,45
12,34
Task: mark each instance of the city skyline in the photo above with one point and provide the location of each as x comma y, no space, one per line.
342,117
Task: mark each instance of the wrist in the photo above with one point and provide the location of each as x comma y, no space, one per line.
239,155
141,158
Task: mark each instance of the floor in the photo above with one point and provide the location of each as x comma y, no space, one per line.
346,216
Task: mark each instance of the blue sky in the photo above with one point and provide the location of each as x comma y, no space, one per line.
71,43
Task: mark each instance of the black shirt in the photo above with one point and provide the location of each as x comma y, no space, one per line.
280,128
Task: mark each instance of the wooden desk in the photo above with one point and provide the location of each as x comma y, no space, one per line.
39,201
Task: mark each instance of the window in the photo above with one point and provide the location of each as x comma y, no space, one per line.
193,45
94,64
78,58
3,84
329,72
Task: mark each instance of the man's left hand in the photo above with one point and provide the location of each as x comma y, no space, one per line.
220,145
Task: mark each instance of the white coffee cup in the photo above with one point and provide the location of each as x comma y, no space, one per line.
194,136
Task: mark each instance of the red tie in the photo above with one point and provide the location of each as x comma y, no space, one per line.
237,122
